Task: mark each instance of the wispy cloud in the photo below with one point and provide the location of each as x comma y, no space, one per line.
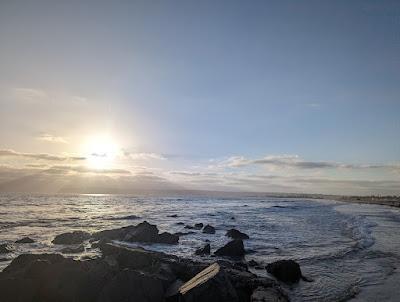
39,156
29,94
63,169
143,156
51,138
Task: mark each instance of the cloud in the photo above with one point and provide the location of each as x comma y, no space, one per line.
294,161
63,169
30,94
143,156
51,138
39,156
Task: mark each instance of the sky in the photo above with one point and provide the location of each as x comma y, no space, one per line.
264,96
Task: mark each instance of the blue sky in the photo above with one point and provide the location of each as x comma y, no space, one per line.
204,81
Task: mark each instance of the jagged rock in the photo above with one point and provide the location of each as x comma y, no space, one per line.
143,232
211,284
184,233
198,226
132,286
287,271
234,248
204,250
5,248
235,234
267,294
25,240
208,229
168,238
75,237
73,250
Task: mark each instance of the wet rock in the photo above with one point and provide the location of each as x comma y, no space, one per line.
208,229
184,233
132,286
211,284
180,223
236,234
173,216
234,248
128,217
287,271
168,238
204,250
75,237
143,232
267,294
25,240
198,226
189,227
5,248
73,250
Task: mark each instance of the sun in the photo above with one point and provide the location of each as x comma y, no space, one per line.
100,151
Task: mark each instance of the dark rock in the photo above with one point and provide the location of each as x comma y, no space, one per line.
204,250
211,284
180,223
173,216
189,227
235,234
143,232
268,294
208,229
132,286
252,263
168,238
234,248
5,248
198,226
25,240
232,218
73,250
287,271
75,237
128,217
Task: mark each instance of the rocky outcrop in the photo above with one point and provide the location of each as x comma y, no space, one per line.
143,232
287,271
75,237
235,234
204,250
124,274
234,248
25,240
208,229
73,249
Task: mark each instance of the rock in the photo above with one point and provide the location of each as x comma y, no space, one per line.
132,286
190,227
267,294
208,229
211,284
234,248
25,240
128,217
180,223
198,226
204,250
73,250
173,216
252,263
75,237
287,271
143,232
235,234
5,248
184,233
232,218
168,238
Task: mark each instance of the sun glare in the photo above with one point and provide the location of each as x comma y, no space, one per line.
101,151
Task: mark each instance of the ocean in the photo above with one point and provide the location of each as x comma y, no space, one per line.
350,251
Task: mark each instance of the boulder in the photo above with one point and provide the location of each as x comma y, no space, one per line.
287,271
73,249
204,250
143,232
252,263
75,237
184,233
268,294
208,229
5,248
25,240
198,226
173,216
234,248
211,284
132,286
168,238
235,234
